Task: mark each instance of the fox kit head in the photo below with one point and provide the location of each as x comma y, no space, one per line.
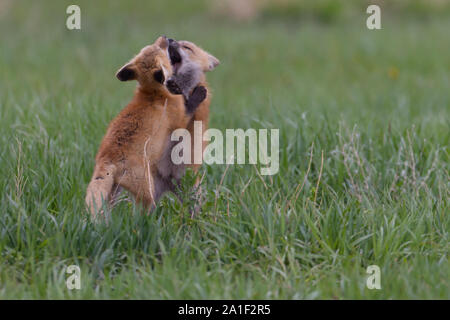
185,50
149,67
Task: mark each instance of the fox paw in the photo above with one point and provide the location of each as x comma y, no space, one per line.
198,95
173,87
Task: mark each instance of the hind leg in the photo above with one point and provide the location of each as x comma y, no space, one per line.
99,189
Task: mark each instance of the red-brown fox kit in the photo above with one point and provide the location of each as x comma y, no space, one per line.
135,151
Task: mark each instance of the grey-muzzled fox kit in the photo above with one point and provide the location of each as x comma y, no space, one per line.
189,63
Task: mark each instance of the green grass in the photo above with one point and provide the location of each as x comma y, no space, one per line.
376,103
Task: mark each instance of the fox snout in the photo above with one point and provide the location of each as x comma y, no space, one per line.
174,54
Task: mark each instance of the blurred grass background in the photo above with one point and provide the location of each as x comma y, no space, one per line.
375,102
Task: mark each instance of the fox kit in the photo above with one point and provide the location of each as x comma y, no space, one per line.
135,151
189,63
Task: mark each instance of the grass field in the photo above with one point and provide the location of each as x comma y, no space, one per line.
375,104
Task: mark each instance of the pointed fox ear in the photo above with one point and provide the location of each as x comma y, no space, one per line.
126,73
162,42
213,62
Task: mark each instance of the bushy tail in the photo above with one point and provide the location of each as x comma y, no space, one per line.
99,189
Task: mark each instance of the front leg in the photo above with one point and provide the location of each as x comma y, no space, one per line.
198,95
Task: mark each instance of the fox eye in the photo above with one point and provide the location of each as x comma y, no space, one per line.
186,47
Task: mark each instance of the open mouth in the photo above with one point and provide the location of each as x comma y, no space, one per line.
174,54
